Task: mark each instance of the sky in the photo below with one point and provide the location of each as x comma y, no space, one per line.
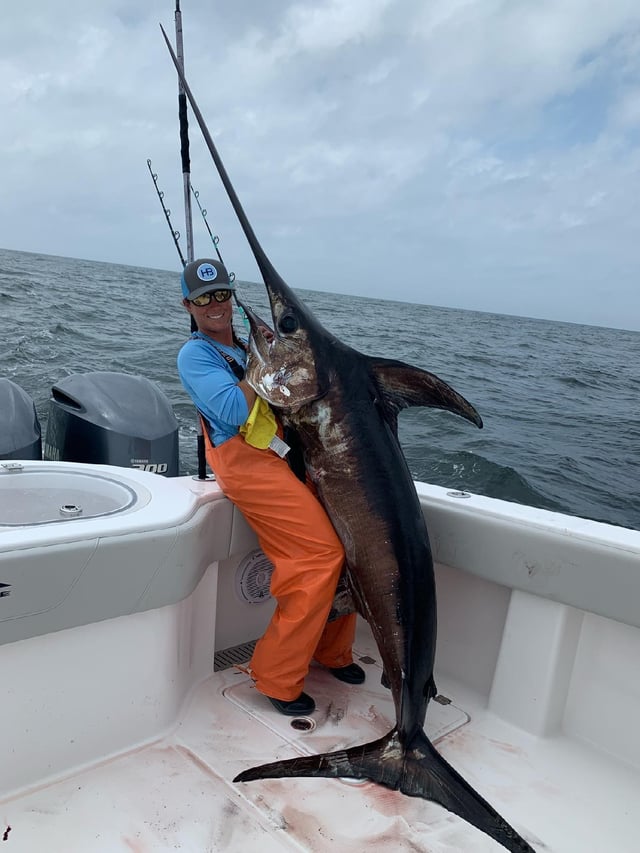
480,154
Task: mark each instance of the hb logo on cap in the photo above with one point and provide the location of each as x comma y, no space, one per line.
207,272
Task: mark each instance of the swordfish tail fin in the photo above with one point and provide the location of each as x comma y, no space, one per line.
417,770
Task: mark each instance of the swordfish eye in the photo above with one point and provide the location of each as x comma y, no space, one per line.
288,324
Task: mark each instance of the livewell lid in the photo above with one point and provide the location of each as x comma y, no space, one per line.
37,495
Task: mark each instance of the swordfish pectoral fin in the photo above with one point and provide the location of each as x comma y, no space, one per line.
417,770
403,385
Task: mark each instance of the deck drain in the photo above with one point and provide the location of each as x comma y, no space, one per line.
303,724
70,510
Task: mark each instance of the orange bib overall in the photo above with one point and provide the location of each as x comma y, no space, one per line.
295,533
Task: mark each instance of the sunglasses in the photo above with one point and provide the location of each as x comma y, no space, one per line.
205,298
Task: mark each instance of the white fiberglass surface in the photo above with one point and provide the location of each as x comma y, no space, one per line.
178,794
39,495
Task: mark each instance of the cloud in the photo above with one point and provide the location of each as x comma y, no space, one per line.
484,150
337,23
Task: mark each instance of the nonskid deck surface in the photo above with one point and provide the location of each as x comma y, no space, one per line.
177,794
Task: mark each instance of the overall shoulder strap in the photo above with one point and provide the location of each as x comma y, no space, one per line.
237,368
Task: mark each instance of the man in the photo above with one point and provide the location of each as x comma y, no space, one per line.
291,525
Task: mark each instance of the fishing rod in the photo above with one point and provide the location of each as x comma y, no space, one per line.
184,138
186,183
187,188
175,234
167,213
214,237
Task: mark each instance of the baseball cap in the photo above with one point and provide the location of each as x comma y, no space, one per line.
202,275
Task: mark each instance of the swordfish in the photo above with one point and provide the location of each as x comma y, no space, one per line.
343,406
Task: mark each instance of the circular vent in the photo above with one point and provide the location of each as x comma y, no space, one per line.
253,577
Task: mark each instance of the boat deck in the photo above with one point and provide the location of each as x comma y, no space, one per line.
176,793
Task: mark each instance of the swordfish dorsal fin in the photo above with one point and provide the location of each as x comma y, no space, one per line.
402,385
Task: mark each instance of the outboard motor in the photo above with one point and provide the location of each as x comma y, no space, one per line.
112,419
20,433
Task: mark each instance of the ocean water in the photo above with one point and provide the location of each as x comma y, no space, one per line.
560,402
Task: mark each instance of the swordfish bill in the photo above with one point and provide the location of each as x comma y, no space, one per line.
344,405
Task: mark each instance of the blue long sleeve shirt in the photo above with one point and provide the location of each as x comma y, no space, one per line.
212,385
